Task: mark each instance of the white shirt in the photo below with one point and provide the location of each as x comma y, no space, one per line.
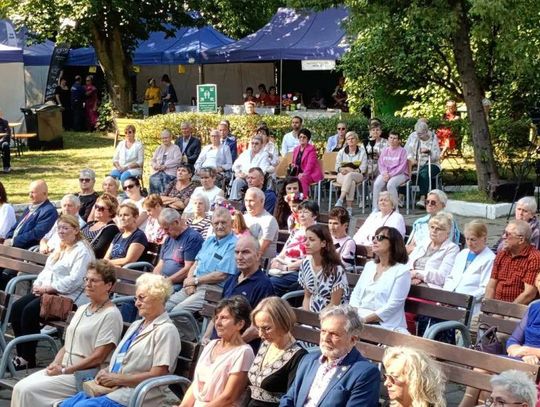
474,279
7,219
439,263
289,142
264,227
211,194
374,221
125,156
66,274
331,143
245,162
385,297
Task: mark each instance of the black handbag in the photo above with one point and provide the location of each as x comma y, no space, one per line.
293,170
487,340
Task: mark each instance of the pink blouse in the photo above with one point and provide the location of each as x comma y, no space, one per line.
211,376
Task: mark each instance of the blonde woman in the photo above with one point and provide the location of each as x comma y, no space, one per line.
413,379
63,274
128,157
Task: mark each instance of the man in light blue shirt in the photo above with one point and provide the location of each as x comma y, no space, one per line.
213,264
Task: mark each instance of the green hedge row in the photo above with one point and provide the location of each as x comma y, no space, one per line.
243,126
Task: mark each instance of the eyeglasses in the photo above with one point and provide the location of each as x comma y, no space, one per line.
393,379
342,128
264,329
100,208
129,186
508,234
91,280
379,238
84,180
141,298
129,132
255,143
431,202
64,228
490,401
436,228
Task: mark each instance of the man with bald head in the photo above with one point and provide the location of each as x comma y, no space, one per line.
37,219
5,138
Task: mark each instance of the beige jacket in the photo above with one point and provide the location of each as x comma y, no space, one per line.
157,345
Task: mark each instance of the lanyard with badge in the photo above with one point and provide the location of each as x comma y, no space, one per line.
124,349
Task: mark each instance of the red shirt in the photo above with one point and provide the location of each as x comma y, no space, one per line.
513,272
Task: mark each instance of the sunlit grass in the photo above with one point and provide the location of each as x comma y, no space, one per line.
59,168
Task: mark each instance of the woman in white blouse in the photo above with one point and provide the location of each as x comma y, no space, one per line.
387,215
380,294
215,155
128,157
7,214
472,267
433,259
63,274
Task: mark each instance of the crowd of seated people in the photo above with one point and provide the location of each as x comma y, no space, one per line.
204,241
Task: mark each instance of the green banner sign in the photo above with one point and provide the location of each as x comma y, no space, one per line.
207,98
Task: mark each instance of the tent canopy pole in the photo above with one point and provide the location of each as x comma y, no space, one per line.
280,85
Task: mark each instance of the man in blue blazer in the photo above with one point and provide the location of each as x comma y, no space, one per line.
190,146
337,375
35,221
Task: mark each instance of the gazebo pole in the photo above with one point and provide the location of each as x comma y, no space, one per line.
201,74
280,85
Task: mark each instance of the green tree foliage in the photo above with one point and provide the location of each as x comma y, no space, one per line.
468,48
113,27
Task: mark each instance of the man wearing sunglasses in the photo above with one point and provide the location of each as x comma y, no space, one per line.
87,195
332,142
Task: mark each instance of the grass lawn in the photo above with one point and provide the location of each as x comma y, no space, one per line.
59,168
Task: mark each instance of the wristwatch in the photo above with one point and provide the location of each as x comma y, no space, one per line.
196,281
63,371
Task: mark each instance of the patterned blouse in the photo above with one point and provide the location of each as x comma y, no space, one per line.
184,194
269,382
320,286
203,226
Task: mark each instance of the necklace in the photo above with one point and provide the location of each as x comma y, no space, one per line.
89,314
274,353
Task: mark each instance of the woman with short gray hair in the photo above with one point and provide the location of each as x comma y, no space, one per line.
164,162
512,387
200,219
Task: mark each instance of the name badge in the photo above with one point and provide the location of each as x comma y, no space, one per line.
217,256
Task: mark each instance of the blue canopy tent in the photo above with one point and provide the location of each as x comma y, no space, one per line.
290,35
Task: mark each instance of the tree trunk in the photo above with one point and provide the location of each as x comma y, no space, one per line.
115,63
472,95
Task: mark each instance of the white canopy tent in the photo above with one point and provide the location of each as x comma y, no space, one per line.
12,93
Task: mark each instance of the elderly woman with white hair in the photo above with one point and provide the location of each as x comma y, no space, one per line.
435,202
387,215
70,205
149,349
215,155
511,387
200,220
164,162
423,148
431,261
208,188
526,210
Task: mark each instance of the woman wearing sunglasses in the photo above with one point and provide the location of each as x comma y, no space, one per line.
132,188
380,294
413,379
101,231
128,157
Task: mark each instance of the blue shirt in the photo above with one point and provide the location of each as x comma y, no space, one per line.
120,245
217,255
175,252
256,287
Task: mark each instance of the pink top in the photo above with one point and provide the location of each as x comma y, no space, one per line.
310,163
211,376
153,231
393,161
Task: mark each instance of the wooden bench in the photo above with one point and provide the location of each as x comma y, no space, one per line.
504,315
457,363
